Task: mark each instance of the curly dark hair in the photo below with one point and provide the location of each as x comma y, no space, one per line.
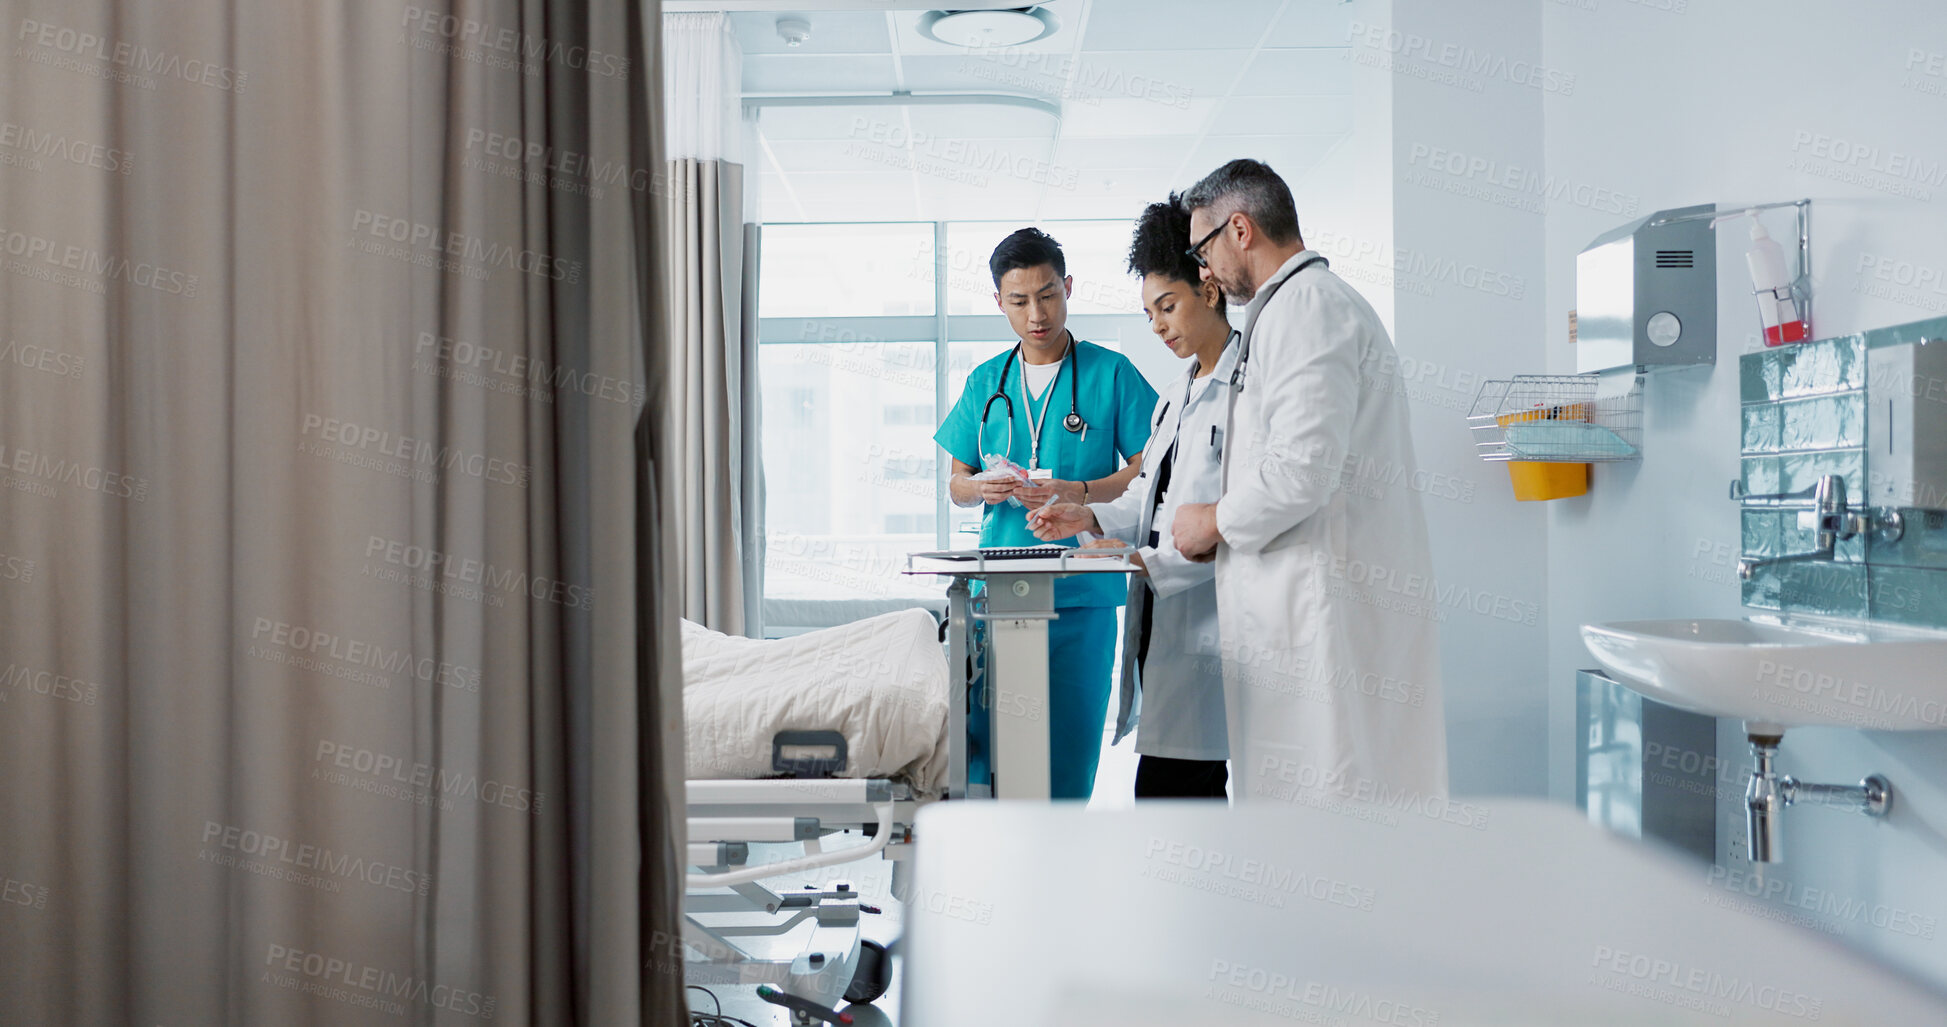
1162,244
1162,237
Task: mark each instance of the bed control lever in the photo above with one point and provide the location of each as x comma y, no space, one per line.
804,1010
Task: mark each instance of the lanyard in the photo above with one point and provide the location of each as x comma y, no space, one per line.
1165,468
1035,421
1190,387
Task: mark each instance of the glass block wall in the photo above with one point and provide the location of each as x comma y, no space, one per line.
1804,416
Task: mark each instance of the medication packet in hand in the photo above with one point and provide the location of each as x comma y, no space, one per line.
1000,468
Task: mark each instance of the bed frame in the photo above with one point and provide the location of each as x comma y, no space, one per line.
739,926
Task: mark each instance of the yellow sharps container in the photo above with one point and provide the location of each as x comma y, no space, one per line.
1537,480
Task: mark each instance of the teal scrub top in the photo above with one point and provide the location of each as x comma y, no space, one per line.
1114,400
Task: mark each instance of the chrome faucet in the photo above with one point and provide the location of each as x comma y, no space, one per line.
1833,521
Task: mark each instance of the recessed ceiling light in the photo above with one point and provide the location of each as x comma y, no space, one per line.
987,28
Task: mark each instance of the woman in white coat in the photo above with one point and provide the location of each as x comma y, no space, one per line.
1172,688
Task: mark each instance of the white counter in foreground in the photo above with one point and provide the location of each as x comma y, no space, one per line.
1421,916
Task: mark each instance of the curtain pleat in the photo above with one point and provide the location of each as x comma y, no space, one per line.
337,668
705,241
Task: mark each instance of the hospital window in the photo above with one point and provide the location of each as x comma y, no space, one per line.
800,406
867,333
911,413
907,524
909,468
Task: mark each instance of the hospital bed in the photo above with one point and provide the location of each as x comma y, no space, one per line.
809,739
748,933
849,731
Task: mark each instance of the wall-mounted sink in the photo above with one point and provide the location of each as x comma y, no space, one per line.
1775,672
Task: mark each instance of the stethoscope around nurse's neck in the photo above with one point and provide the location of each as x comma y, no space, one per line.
1073,422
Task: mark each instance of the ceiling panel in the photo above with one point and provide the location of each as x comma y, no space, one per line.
1313,23
1266,115
1151,84
817,73
1118,193
1139,24
1123,151
1134,182
1289,156
1297,73
1006,202
831,32
988,164
1068,189
981,122
1161,75
985,72
997,186
1134,117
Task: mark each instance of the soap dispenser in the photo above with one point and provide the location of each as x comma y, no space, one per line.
1771,284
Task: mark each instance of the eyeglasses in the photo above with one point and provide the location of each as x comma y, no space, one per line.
1196,252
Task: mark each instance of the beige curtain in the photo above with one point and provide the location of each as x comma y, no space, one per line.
337,685
704,230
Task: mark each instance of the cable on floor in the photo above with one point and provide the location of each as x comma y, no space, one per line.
717,1018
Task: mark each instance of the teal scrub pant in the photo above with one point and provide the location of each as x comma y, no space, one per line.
1081,660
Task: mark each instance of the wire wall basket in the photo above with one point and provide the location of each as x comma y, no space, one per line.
1556,418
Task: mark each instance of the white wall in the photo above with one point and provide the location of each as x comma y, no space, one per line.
1686,102
1348,195
1466,256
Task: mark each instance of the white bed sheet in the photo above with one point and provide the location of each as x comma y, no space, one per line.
881,682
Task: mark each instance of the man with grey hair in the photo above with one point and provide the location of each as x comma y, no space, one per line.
1324,574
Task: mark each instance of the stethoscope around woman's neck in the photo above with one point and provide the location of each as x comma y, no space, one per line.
1197,374
1073,422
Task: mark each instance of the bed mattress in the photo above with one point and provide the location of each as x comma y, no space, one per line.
881,682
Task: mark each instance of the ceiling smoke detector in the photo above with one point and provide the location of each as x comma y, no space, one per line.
793,30
987,28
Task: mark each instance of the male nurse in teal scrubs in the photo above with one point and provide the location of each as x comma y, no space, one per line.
1076,416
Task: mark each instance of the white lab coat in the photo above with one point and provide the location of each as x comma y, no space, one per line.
1325,593
1175,699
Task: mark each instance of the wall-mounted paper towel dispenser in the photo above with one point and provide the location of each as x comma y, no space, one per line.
1646,293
